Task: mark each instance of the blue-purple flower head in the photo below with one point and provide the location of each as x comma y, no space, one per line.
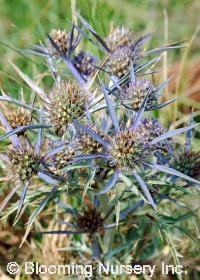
125,51
125,149
61,43
187,162
152,127
129,148
84,63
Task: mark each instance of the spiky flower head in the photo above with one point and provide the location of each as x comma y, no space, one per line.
128,149
187,162
67,101
119,61
61,159
90,221
22,164
17,118
152,128
84,63
119,37
132,94
61,39
88,145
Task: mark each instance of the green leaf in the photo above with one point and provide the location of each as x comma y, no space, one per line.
118,249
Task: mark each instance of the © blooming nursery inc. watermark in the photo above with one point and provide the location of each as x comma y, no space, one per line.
90,145
90,270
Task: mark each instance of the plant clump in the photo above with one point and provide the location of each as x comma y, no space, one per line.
101,158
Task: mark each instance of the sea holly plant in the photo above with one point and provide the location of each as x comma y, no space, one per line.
93,137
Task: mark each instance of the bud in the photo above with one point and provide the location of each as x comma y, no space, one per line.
18,118
84,63
119,37
90,221
61,39
187,162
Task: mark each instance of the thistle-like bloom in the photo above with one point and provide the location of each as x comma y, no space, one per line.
152,129
67,101
84,63
18,118
61,39
132,94
90,221
89,145
119,37
23,161
128,149
125,52
132,149
120,60
187,162
62,158
22,164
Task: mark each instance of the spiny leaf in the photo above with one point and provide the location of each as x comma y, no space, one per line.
172,171
145,189
110,183
31,84
17,102
22,129
8,198
178,45
37,211
47,178
140,112
61,232
91,133
22,197
111,109
13,137
94,33
172,133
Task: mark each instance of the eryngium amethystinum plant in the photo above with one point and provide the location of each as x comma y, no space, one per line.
91,143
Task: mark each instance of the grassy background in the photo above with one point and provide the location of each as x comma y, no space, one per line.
24,23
